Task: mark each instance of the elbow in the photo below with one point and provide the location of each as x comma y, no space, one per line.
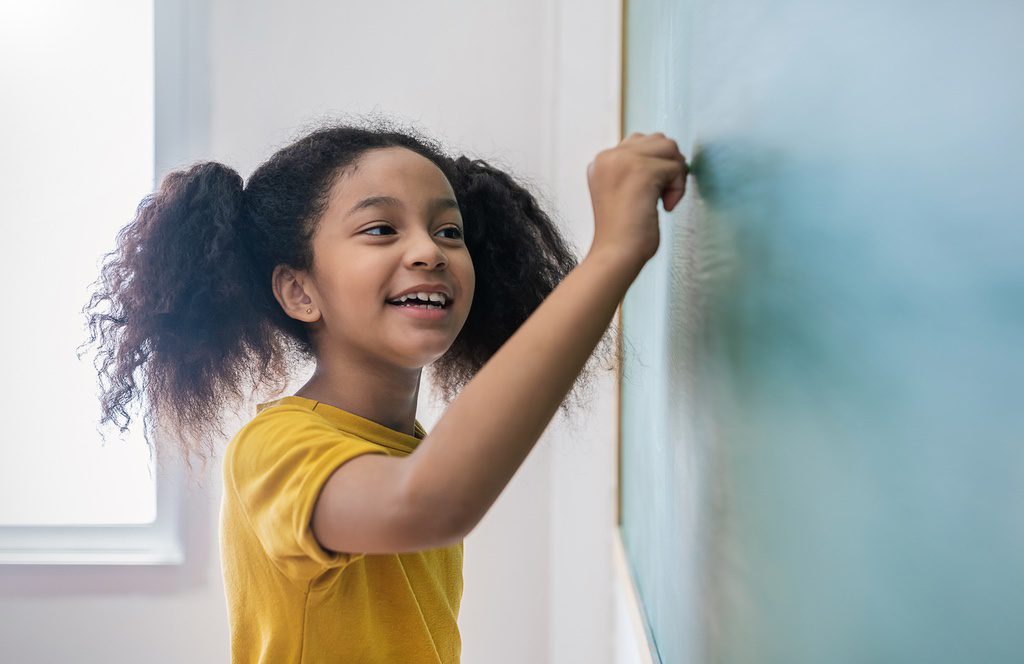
454,533
435,513
442,525
460,525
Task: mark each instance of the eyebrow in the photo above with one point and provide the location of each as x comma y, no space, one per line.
435,206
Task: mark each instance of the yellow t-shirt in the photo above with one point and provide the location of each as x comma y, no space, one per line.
289,599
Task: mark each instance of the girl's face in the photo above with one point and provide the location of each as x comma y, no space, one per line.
391,223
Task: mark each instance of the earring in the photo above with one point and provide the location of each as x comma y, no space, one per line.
309,311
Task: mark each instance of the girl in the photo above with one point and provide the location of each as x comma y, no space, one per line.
372,252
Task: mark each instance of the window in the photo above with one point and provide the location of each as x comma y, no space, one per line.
79,136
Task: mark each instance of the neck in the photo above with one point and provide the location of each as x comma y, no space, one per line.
386,397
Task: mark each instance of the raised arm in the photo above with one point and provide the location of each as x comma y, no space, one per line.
487,431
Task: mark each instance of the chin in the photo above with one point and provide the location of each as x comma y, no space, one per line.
419,360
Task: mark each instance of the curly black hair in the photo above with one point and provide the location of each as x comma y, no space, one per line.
189,284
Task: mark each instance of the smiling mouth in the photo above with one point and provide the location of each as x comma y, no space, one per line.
417,304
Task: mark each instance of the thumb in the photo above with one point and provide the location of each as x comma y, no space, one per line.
673,193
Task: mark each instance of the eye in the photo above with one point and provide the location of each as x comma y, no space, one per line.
453,228
374,228
457,230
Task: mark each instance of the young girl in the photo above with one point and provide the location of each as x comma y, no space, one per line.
375,254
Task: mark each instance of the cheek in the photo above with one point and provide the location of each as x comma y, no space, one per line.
358,283
355,300
468,279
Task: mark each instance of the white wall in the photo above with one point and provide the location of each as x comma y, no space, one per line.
531,85
586,120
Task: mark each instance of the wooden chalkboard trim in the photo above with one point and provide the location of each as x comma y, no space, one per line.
641,631
618,310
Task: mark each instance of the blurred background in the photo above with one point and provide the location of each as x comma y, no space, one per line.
99,561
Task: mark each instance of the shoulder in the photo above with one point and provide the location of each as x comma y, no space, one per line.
281,430
278,418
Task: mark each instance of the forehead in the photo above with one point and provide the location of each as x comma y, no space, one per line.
393,171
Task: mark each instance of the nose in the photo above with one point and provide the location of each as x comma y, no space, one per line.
425,251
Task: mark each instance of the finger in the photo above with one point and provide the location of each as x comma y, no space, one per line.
672,194
655,146
672,182
675,144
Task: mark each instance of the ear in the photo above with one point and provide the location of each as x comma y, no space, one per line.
296,293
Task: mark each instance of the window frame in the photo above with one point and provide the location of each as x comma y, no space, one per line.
181,133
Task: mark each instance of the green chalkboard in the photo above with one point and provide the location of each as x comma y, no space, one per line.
822,433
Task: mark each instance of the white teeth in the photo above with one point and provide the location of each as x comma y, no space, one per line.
429,297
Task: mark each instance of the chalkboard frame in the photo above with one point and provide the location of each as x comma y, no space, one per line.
642,635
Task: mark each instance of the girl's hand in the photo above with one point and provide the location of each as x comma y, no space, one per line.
625,184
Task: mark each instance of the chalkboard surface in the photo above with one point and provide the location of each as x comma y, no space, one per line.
822,434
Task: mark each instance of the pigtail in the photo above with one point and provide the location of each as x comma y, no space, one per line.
181,291
519,256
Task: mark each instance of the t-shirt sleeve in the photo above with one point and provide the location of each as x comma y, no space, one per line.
278,469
